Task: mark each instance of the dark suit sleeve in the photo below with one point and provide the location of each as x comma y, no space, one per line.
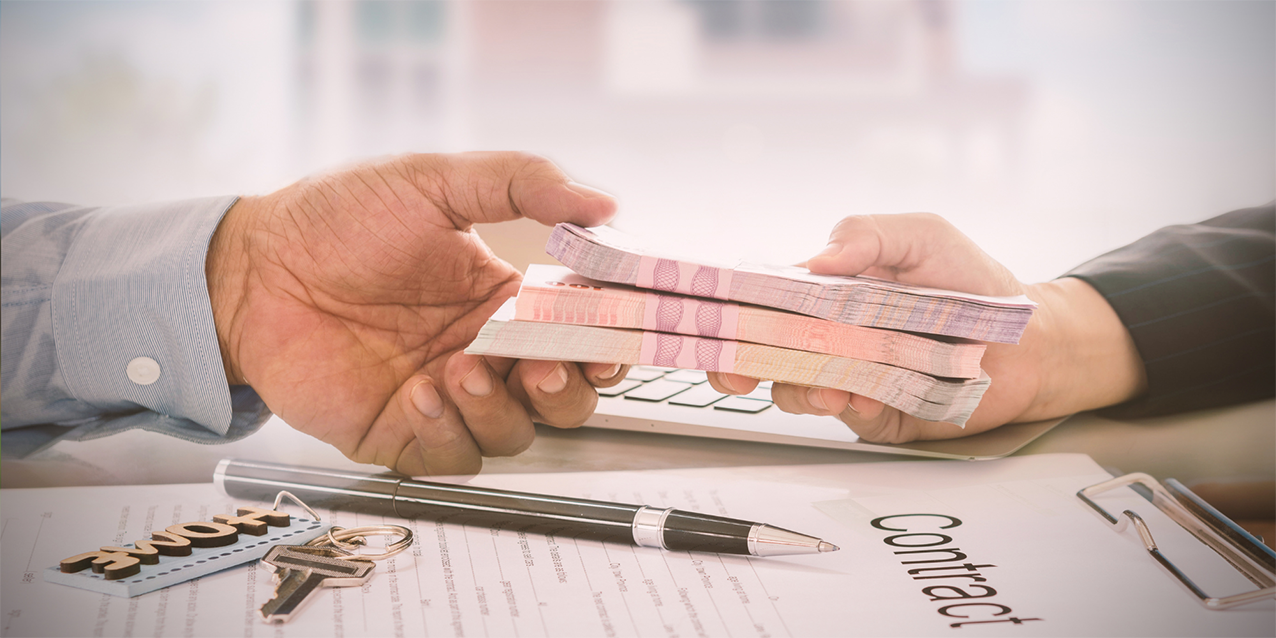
1198,301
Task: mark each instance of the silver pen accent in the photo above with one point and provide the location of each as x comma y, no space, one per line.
765,540
649,526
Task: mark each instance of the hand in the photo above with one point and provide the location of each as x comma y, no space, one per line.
343,300
1074,355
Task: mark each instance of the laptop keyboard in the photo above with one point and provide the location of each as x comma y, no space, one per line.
687,388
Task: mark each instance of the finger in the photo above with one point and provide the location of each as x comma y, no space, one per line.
557,391
419,433
886,426
918,248
496,420
802,400
728,383
878,423
604,375
865,407
494,187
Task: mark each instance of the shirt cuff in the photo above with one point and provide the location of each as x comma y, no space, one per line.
132,319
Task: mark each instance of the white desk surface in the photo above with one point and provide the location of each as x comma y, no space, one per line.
1237,442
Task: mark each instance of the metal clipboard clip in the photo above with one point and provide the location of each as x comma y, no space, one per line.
1247,554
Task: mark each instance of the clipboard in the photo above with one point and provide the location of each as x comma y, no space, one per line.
1242,550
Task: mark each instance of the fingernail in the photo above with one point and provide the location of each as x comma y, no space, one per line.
725,380
426,399
815,397
477,382
851,407
588,192
611,372
555,381
830,250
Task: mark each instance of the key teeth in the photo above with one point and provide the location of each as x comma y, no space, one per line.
296,580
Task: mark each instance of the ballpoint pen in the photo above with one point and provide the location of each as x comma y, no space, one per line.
405,497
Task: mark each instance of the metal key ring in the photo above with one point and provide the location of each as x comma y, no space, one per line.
348,547
340,538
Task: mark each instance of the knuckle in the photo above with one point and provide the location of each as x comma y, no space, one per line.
507,438
614,379
509,446
522,445
428,164
933,222
519,165
444,442
849,225
461,460
871,430
525,159
570,412
787,399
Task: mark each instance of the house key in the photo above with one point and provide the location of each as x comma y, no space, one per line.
303,569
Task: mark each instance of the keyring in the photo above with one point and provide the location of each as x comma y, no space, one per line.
347,547
341,539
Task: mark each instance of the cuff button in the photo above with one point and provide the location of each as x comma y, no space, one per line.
143,371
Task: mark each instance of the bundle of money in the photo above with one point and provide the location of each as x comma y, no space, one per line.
920,395
608,255
555,294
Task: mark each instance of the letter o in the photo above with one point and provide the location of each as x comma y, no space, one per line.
890,540
205,534
877,522
943,611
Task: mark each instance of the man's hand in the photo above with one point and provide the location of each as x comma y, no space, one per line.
1074,355
343,300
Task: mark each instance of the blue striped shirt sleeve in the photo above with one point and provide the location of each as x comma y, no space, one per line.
88,291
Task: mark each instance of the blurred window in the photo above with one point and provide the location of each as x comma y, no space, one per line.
426,20
305,24
744,20
781,19
376,19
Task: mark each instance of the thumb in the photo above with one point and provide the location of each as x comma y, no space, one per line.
915,248
487,187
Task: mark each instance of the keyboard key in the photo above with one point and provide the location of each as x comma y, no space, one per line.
759,394
658,390
741,404
645,373
688,376
619,388
697,397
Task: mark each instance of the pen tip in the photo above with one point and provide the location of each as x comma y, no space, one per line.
826,546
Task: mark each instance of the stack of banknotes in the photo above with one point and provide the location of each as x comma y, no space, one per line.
853,333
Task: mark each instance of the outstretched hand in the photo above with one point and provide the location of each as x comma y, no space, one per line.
1074,355
344,301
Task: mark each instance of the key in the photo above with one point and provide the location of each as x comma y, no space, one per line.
742,404
303,569
657,391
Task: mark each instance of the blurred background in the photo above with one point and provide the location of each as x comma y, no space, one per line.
1050,132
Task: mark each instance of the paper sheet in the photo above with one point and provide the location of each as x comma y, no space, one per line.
1041,563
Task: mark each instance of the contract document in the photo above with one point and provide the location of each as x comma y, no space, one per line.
995,548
